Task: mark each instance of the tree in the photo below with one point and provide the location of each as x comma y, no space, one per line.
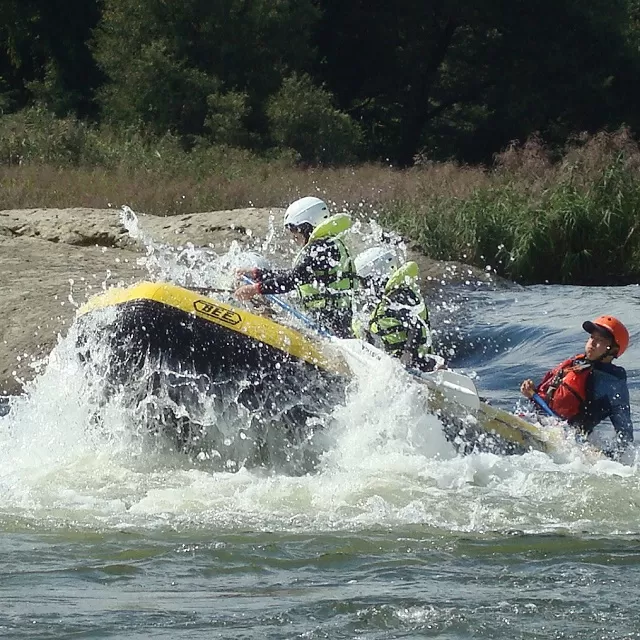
462,78
164,59
44,54
303,117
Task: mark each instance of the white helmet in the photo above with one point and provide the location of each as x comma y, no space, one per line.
309,209
377,261
249,260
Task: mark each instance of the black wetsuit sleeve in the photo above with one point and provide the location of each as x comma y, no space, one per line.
316,258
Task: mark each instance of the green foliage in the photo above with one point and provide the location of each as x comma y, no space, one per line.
197,67
225,122
36,135
160,92
580,227
6,97
44,54
302,117
530,219
462,79
421,79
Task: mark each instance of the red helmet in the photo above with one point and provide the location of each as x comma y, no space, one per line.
613,327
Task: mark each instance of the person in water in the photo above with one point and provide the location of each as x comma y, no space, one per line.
399,320
323,273
588,388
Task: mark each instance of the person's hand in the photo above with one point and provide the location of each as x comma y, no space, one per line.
247,291
528,388
244,272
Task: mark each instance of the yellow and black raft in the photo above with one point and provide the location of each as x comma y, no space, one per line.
168,342
203,334
493,430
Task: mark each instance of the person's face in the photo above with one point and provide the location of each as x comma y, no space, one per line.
298,237
598,345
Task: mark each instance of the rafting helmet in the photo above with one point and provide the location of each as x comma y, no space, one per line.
250,260
613,327
307,210
377,262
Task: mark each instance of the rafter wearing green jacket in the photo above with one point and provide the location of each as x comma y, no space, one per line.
399,319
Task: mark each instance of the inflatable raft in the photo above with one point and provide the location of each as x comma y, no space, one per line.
188,358
189,350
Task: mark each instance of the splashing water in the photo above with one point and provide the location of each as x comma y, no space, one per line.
70,457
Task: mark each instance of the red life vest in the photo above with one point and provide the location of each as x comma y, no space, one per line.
564,388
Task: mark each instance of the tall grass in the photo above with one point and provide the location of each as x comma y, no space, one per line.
573,221
533,217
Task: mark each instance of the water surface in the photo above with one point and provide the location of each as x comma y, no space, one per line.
395,536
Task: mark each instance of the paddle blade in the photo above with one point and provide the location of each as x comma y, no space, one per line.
455,387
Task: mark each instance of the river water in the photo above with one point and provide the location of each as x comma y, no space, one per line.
394,536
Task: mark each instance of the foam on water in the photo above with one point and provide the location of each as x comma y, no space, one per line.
388,465
386,462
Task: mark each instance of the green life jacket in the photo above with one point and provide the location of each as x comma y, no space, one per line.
329,288
386,328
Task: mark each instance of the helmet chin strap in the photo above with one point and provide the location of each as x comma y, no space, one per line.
606,354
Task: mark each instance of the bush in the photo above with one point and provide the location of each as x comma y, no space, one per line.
574,222
302,117
36,135
224,123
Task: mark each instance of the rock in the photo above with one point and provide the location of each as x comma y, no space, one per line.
44,251
35,285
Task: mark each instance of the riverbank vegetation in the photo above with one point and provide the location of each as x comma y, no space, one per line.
531,217
192,106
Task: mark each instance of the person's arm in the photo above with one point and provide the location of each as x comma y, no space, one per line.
267,281
528,387
621,413
411,345
280,282
402,304
318,257
610,398
258,275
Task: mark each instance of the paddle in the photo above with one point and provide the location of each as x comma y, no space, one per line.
207,290
460,388
456,387
544,406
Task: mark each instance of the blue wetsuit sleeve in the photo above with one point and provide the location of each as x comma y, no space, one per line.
621,413
612,393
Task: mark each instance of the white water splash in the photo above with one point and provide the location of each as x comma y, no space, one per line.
386,462
387,465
